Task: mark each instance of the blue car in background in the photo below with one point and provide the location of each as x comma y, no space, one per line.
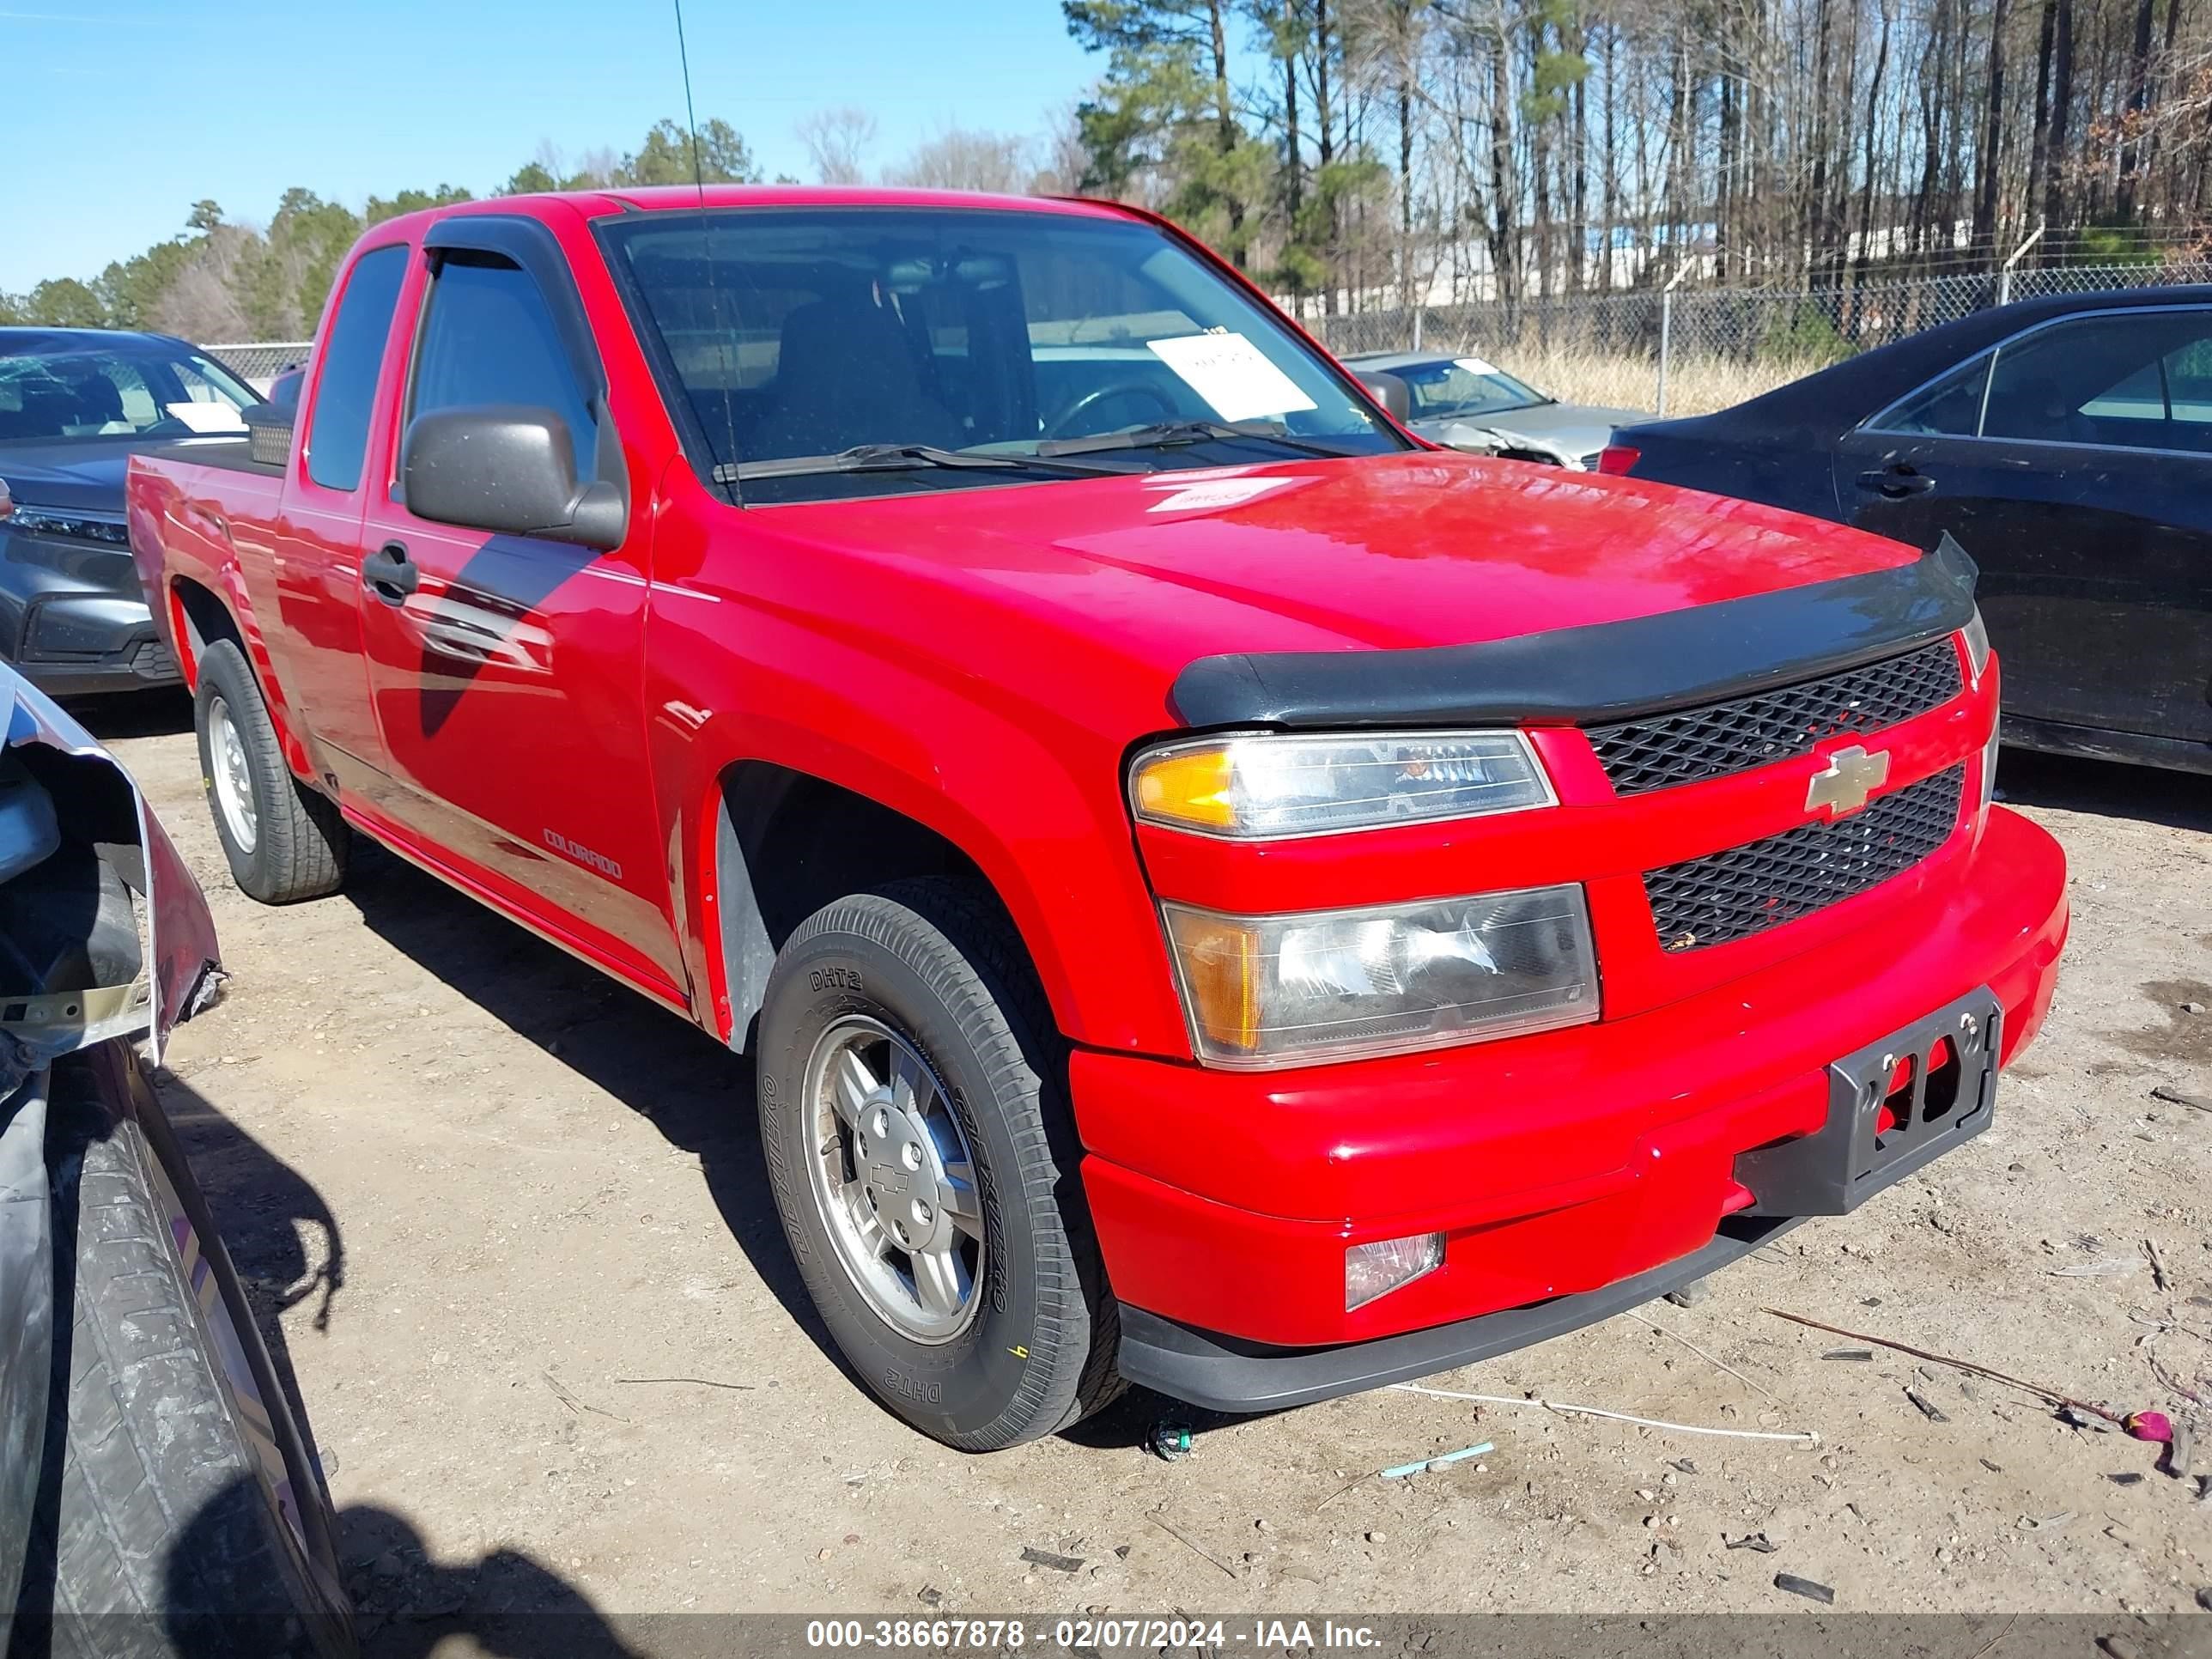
75,403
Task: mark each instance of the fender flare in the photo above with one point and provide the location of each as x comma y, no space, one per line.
189,639
730,944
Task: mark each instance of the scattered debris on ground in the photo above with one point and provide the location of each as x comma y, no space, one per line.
1926,1407
1037,1558
1430,1465
1809,1589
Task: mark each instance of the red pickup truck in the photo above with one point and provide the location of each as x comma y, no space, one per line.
1217,893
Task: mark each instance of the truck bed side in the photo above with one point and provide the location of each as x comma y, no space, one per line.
201,516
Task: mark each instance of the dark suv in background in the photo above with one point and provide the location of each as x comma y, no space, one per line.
75,403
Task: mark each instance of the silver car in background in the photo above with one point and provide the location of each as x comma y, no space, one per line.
1466,401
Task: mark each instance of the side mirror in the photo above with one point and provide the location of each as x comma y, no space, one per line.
285,389
1391,392
508,467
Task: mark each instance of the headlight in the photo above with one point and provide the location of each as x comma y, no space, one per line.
1977,637
75,526
1257,788
1295,990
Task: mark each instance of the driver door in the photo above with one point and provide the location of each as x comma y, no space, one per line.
506,670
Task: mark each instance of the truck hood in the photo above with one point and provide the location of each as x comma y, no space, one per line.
1387,552
85,474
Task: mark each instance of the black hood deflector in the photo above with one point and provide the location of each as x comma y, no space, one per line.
1604,672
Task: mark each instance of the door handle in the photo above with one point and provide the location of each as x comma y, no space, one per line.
390,574
1897,482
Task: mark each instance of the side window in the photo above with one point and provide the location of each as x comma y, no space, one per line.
2189,383
2140,396
338,430
488,339
2132,380
1951,408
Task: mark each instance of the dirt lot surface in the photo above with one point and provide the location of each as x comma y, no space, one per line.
539,1307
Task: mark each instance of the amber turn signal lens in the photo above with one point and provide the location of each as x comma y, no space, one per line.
1220,960
1195,786
1270,786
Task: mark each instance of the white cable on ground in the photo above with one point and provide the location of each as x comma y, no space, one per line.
1796,1436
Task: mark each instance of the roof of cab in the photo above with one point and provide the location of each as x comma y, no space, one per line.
666,198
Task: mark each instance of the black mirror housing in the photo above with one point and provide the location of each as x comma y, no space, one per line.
509,468
1391,392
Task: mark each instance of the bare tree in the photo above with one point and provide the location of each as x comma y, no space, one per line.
961,158
835,141
203,300
1065,158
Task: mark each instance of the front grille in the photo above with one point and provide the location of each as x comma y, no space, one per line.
1722,737
1763,884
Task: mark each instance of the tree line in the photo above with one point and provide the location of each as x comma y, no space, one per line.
225,280
222,279
1512,148
1355,152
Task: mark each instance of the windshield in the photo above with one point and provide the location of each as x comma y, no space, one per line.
968,332
1453,386
60,389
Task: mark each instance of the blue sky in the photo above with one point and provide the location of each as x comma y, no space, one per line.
120,116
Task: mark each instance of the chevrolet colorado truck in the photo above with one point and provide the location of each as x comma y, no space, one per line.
1217,893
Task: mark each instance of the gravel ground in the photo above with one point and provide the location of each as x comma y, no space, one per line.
538,1303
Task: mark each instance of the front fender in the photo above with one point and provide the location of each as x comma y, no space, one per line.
1031,800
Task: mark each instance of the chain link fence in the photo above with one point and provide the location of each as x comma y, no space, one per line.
260,361
1696,349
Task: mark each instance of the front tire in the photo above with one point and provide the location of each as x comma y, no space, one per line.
919,1146
284,841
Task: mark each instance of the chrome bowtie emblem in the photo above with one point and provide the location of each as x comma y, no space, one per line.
1850,776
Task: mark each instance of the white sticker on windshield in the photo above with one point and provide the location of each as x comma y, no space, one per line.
205,417
1233,374
1476,365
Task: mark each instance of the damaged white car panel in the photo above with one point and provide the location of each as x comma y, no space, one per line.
1470,403
173,933
179,962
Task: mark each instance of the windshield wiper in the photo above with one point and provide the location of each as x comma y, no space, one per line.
1163,433
894,458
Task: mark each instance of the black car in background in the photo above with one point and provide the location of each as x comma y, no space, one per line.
2067,444
74,404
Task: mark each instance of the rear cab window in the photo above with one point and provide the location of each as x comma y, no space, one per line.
352,358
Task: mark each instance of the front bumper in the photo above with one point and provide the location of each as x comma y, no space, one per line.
144,664
1572,1173
73,618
